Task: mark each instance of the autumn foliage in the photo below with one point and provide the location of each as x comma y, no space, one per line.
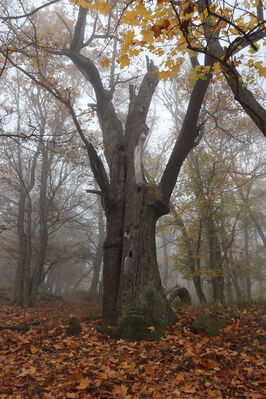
46,362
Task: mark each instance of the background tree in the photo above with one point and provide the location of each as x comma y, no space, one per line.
207,187
41,193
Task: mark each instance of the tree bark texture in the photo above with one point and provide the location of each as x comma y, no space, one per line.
140,283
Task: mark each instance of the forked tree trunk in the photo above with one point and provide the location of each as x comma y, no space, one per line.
132,208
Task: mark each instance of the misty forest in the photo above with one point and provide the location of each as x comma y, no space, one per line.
132,201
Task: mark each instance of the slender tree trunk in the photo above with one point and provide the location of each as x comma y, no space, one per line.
193,256
236,284
21,289
22,254
165,260
198,287
43,233
99,254
215,261
229,288
247,260
27,266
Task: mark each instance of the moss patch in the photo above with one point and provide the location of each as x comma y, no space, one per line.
137,324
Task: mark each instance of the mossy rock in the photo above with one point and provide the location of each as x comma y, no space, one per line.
136,325
210,324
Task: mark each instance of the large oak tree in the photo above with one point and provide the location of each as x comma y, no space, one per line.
132,205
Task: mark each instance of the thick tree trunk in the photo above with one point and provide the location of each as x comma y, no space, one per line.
112,251
140,282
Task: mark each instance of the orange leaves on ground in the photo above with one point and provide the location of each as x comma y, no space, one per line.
47,363
84,383
120,392
30,371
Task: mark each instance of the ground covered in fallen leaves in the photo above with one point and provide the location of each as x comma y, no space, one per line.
45,362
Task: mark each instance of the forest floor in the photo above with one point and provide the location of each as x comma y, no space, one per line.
45,362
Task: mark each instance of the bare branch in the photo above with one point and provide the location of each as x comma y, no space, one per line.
29,14
97,192
79,31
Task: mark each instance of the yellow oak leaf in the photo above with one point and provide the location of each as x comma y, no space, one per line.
148,36
105,63
11,48
103,6
262,72
164,75
130,18
123,60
